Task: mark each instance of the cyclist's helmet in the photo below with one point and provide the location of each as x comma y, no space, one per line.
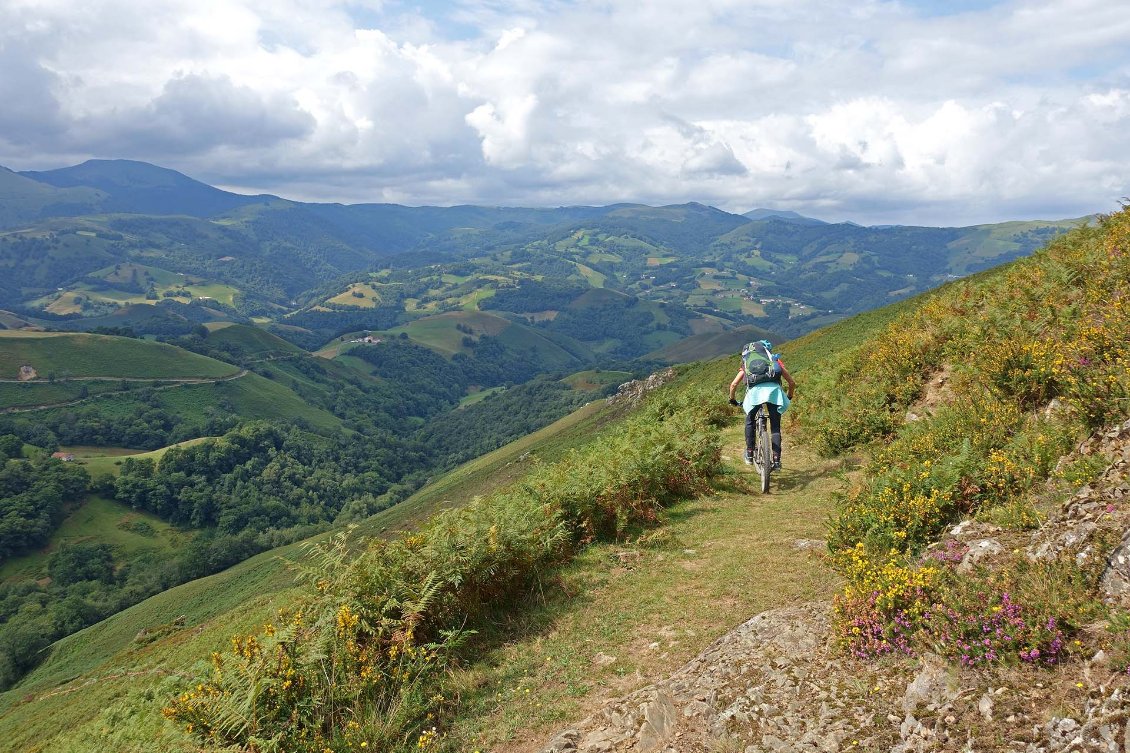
768,345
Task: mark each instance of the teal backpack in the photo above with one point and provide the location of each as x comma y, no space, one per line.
760,364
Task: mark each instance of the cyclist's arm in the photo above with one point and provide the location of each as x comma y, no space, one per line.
789,379
737,380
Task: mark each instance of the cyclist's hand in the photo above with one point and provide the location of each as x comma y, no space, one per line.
735,403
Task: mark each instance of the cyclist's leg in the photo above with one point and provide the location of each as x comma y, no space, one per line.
775,428
750,432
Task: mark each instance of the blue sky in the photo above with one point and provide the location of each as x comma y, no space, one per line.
874,111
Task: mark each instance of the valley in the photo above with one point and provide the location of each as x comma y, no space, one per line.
191,401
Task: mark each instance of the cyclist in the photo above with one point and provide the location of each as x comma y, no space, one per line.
765,392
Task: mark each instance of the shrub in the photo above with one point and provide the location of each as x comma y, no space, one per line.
358,661
1054,327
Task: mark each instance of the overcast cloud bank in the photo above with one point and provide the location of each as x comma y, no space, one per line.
879,112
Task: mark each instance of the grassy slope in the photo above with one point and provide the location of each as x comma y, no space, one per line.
99,521
440,334
97,658
252,396
117,278
716,543
82,355
251,340
594,379
705,346
105,461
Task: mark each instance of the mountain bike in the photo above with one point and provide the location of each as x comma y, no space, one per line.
762,445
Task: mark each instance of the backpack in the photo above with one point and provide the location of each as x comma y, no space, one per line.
760,365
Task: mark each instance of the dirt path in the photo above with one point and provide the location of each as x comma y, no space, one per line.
642,611
167,384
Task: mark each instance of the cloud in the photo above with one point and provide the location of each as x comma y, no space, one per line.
196,113
878,111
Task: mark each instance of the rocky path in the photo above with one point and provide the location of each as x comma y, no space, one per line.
775,683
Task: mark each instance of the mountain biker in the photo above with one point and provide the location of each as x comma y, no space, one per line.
765,392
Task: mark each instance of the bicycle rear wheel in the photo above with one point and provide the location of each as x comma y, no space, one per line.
764,450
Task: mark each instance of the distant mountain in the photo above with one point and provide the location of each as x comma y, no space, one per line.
142,188
24,200
782,214
88,239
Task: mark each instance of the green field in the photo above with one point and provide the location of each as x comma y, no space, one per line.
106,461
596,279
707,345
366,297
100,521
984,243
83,355
251,340
252,396
440,334
120,278
25,394
480,395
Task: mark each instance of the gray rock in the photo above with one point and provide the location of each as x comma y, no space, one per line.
978,551
985,707
932,687
658,722
565,742
1115,582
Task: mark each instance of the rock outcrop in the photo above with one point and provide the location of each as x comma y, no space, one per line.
630,393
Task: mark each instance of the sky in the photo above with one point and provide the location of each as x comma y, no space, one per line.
878,112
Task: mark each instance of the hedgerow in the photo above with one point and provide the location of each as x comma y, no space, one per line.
1035,356
358,663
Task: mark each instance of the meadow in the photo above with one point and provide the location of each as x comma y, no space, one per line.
71,355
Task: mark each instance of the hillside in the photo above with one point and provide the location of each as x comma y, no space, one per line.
905,481
982,539
233,600
236,438
292,444
141,188
80,356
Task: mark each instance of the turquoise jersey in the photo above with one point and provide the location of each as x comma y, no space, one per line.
766,392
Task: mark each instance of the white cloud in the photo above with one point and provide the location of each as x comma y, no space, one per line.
873,111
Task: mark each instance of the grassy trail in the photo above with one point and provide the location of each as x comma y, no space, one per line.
628,615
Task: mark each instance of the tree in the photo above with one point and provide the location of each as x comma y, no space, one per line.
73,563
11,446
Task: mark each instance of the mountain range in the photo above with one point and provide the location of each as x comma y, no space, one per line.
101,239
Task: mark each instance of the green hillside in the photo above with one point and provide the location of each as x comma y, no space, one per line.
441,332
130,533
23,200
248,594
71,356
249,342
708,345
214,608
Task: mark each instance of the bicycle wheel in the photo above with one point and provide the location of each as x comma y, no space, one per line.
764,450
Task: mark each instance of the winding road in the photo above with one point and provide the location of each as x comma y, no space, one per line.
167,384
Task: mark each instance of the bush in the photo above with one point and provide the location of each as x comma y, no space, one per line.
357,662
1054,327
